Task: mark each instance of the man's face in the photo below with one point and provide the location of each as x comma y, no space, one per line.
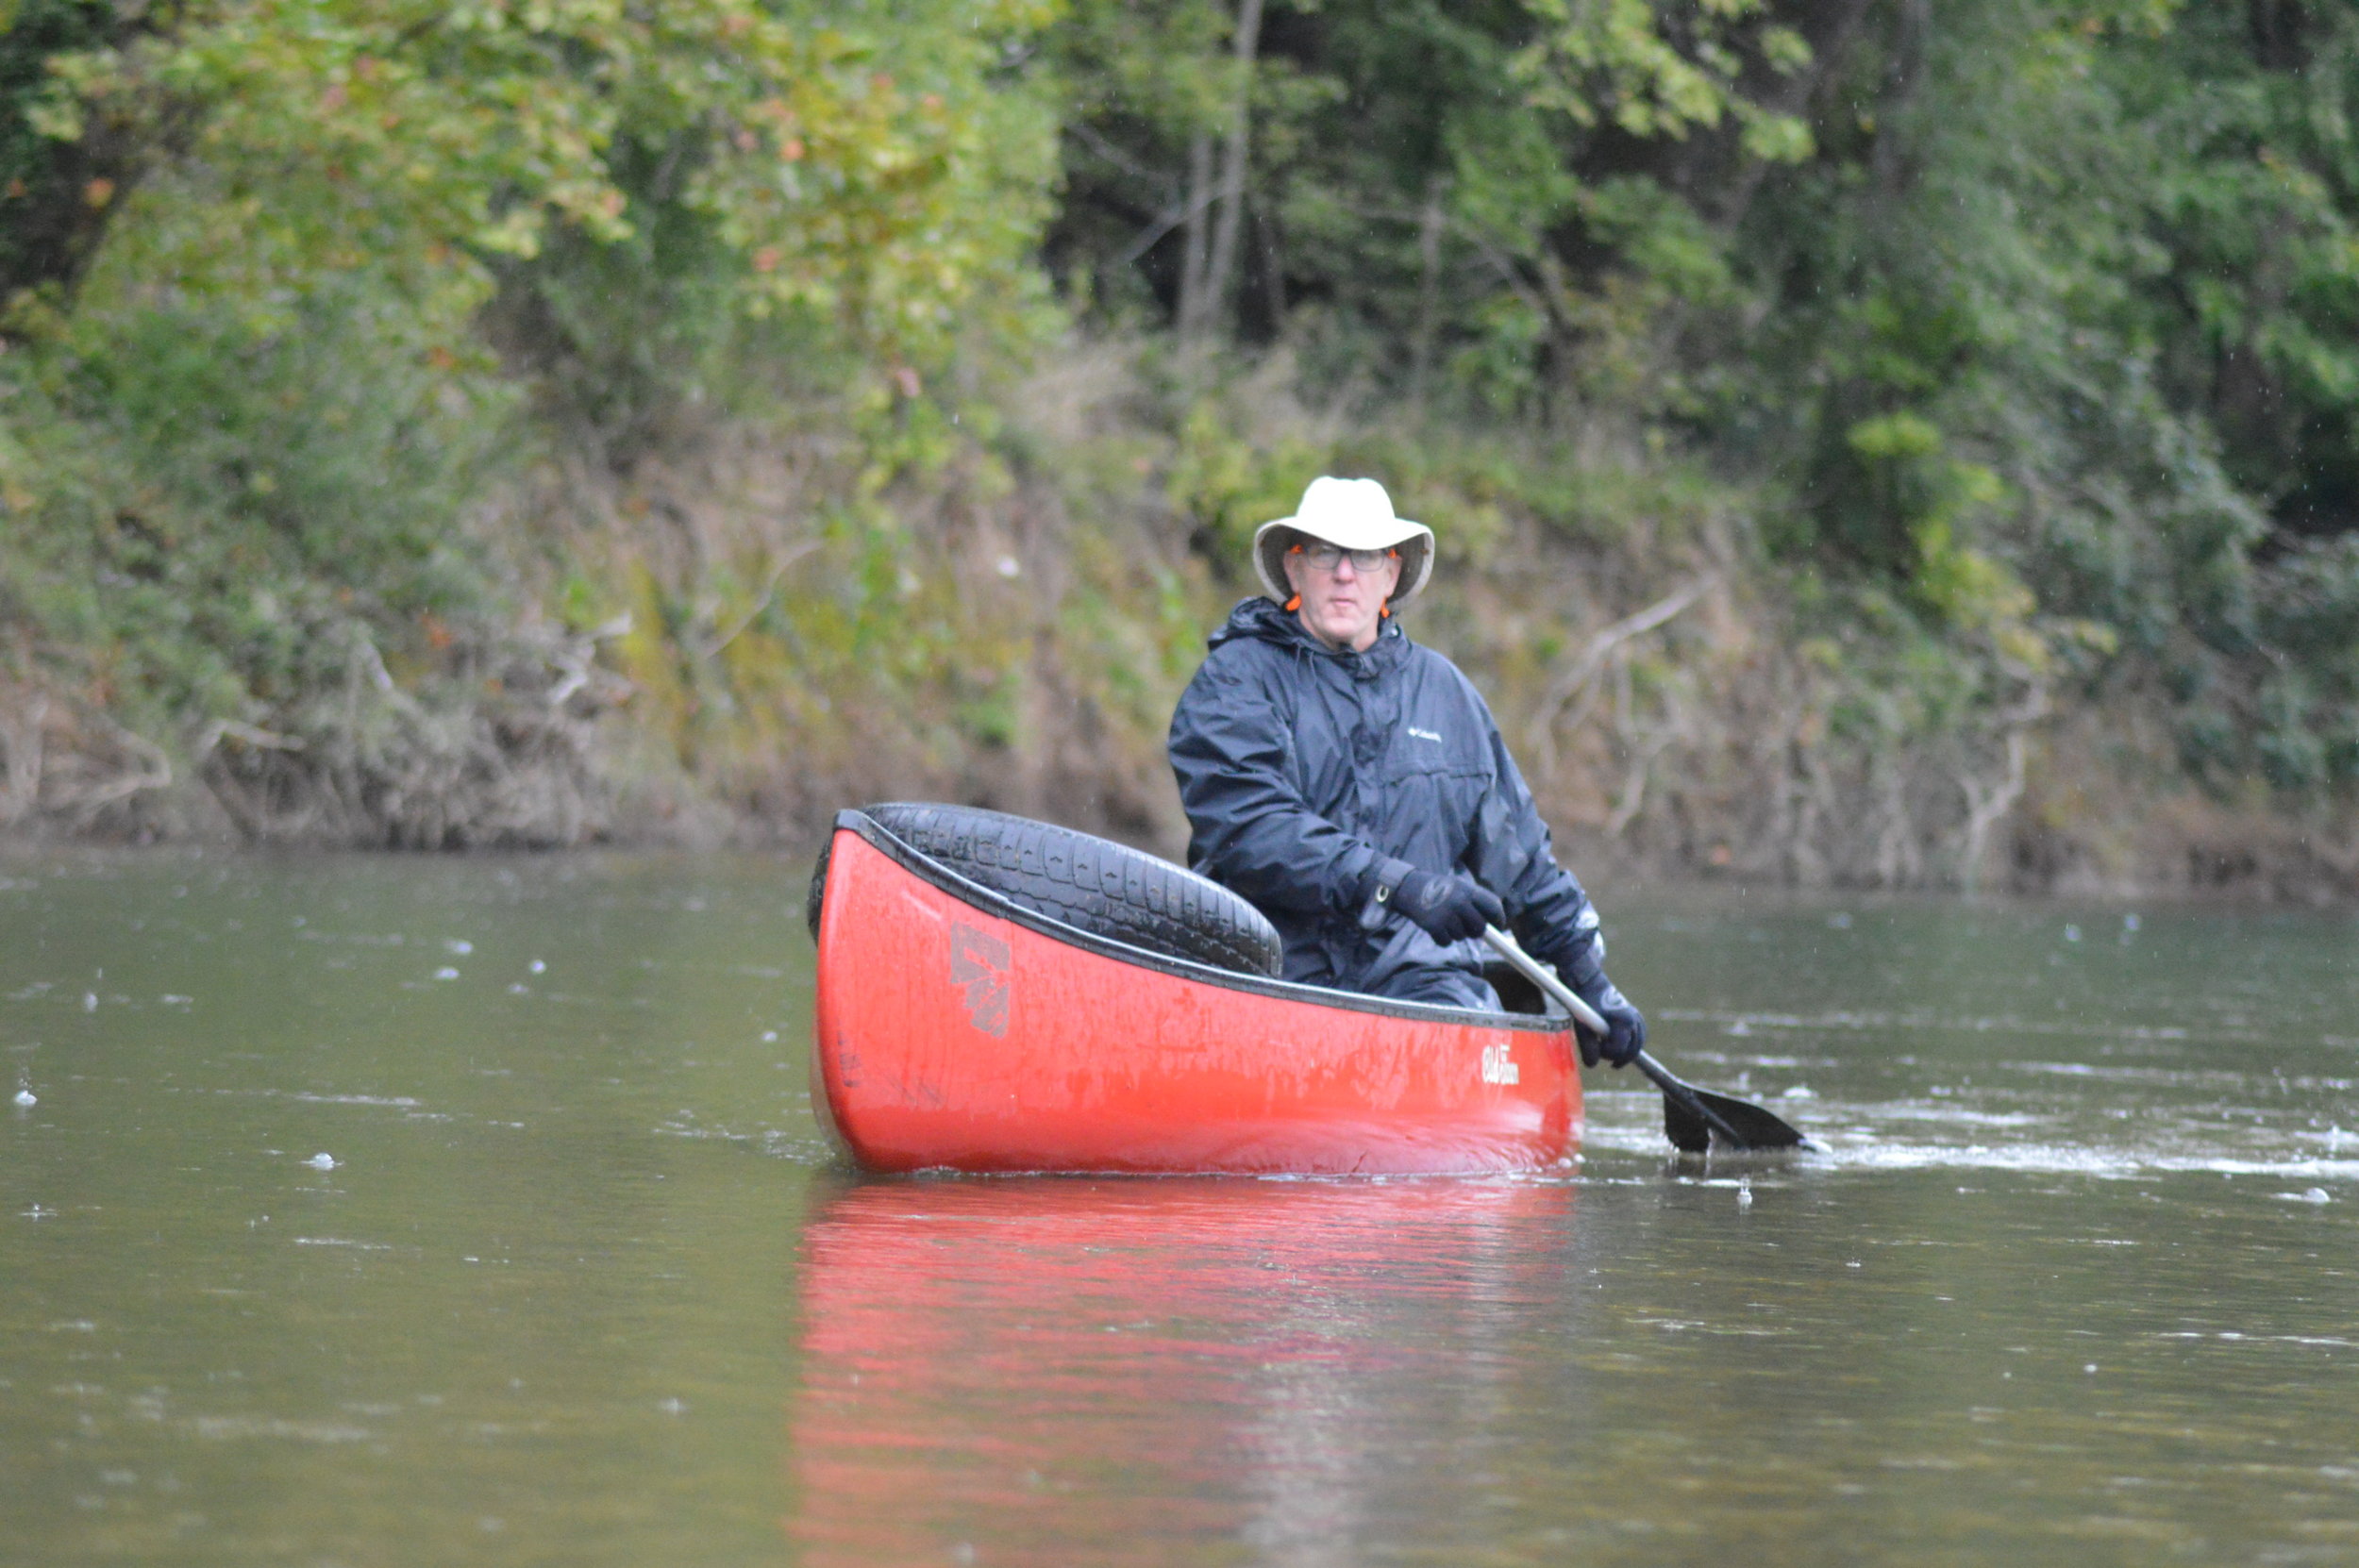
1342,603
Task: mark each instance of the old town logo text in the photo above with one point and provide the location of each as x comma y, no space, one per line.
979,963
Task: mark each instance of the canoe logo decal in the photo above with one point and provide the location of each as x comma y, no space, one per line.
1498,1064
979,963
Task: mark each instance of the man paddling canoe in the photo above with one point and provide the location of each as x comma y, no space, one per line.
1354,786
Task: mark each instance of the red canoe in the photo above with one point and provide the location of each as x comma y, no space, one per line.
958,1030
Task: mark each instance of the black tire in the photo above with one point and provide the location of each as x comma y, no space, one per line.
1107,889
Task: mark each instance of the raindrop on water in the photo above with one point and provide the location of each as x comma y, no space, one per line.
321,1162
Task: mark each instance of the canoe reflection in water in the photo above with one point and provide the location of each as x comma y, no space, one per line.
1058,1371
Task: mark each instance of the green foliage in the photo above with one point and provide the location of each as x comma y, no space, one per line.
867,173
1228,481
1620,62
2015,329
2019,339
365,260
55,195
2034,321
205,525
1460,204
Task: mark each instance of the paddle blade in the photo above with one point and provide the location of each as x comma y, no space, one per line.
1752,1127
1695,1118
1684,1124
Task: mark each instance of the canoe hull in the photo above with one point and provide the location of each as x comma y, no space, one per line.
955,1030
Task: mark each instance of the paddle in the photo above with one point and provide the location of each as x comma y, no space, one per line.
1692,1117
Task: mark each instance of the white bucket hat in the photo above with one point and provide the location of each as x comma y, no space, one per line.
1353,514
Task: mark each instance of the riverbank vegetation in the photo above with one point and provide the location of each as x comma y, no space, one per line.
1871,442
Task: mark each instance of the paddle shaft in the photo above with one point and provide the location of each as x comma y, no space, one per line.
1589,1018
1544,978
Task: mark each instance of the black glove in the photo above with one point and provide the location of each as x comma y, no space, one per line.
1626,1030
1450,909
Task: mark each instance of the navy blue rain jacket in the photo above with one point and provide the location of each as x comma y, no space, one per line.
1308,775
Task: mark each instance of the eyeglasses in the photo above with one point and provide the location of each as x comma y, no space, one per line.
1327,556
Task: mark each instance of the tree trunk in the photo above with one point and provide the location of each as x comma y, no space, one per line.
1428,294
1911,42
1233,160
1273,268
1220,260
1196,240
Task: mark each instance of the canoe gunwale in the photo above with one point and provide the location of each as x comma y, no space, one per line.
936,875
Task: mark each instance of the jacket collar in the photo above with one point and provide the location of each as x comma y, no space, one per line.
1258,617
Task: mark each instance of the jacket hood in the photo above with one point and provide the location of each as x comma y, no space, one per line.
1258,617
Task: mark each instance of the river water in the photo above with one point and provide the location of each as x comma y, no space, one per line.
367,1211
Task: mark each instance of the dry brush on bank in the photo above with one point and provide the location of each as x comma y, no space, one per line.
724,644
